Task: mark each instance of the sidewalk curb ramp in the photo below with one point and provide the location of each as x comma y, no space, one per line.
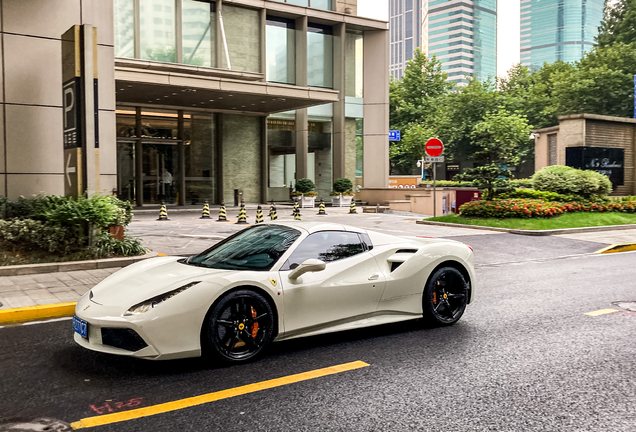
615,248
27,269
32,313
532,232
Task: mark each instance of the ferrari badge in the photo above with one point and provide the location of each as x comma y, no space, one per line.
273,281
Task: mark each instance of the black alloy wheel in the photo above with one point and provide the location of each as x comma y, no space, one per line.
239,327
445,297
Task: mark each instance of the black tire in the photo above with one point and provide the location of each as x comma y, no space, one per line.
445,297
239,327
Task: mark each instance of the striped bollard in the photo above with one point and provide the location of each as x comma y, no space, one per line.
352,207
163,212
321,208
259,215
242,216
205,213
222,213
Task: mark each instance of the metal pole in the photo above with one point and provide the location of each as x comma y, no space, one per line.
434,189
422,162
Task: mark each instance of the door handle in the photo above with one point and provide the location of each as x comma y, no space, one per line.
374,277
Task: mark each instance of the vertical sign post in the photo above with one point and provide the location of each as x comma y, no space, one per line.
79,98
434,148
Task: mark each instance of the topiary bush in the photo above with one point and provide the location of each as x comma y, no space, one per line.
342,185
305,185
567,180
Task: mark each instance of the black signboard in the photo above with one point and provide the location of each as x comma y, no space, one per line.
72,114
607,161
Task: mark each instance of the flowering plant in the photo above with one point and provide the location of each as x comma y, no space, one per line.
528,208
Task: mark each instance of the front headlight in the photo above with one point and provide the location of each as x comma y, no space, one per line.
151,303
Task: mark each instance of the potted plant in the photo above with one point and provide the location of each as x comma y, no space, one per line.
342,193
305,189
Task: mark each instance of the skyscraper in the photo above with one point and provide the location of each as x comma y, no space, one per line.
462,34
558,29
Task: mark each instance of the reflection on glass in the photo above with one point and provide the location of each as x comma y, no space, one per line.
353,64
359,148
281,50
320,155
199,145
124,17
158,30
319,56
299,2
126,170
198,30
327,246
281,143
321,4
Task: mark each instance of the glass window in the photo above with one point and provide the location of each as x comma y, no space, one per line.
359,151
326,246
124,16
198,32
319,56
199,142
354,63
243,33
281,144
299,2
256,248
157,26
321,4
281,50
320,155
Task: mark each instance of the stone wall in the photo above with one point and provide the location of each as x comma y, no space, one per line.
241,157
350,150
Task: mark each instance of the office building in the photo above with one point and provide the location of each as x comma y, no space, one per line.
462,34
554,30
194,99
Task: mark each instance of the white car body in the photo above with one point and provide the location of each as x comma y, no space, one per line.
354,292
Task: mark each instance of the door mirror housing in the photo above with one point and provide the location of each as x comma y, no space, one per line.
310,265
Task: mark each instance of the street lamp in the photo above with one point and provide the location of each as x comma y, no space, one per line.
420,163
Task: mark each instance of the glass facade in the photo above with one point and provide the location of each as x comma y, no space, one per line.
280,38
558,30
405,17
124,17
354,50
316,4
157,30
320,154
198,30
319,56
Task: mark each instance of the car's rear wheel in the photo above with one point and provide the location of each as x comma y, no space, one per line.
445,297
239,327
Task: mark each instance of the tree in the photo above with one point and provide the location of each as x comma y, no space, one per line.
619,24
498,138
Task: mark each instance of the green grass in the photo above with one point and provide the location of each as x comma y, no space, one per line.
568,220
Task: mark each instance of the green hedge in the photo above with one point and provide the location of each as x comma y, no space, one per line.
566,180
451,183
527,208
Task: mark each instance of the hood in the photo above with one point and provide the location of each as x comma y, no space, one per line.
149,278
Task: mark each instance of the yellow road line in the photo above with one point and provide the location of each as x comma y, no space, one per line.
601,312
31,313
211,397
624,247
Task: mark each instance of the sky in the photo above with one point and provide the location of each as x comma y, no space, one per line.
507,22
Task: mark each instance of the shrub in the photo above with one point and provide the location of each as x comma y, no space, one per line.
541,195
342,185
32,234
526,208
106,246
305,185
566,180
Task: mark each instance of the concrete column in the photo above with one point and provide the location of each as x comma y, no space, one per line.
264,161
91,149
219,157
376,109
339,107
218,39
181,151
302,130
263,22
139,163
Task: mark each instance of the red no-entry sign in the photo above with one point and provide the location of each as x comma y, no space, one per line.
434,147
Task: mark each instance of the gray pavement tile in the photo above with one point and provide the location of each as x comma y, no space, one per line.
73,283
46,301
20,301
4,304
79,274
11,294
91,281
53,284
99,273
64,276
44,277
22,280
61,289
67,297
5,281
9,288
36,286
81,289
37,294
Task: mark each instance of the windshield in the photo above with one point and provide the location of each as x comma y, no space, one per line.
256,248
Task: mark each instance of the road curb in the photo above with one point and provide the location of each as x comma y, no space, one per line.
31,313
615,248
27,269
533,232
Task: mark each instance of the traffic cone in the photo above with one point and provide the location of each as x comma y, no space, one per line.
297,214
205,214
272,213
321,208
163,212
295,207
222,214
352,207
259,215
242,217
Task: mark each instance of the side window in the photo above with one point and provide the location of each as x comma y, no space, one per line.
326,246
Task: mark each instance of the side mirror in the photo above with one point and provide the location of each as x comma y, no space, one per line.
310,265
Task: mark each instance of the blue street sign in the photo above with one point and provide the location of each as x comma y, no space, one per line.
394,135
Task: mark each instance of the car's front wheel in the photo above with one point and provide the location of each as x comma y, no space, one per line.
239,327
445,297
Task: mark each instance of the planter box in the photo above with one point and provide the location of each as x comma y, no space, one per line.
117,232
307,202
341,200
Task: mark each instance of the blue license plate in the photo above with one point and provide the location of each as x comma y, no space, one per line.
80,326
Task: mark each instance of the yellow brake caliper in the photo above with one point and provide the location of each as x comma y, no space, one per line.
255,325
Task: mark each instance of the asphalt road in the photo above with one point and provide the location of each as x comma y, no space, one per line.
523,358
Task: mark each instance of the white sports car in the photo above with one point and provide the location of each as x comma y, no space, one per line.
273,282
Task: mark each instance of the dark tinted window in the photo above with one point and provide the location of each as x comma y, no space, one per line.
326,246
256,248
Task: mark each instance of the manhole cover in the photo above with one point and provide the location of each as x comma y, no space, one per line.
627,305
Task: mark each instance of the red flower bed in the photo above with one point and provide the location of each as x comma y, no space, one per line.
527,208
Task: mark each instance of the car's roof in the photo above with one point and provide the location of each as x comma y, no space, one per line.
312,227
